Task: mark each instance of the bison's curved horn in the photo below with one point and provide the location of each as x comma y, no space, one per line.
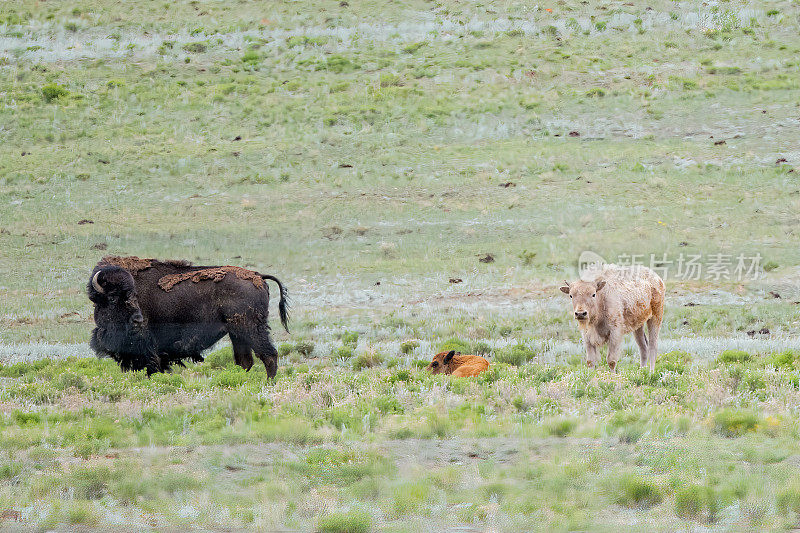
96,285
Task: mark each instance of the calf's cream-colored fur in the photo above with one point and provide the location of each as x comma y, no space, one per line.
613,301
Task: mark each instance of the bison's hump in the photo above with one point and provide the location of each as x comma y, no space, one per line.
134,264
214,274
130,263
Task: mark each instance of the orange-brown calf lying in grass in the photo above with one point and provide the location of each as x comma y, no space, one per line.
456,364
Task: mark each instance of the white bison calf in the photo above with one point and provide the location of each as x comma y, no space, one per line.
613,302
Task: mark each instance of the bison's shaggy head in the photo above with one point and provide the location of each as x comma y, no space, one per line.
113,292
584,299
121,332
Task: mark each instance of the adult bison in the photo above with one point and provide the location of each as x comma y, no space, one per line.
613,302
151,314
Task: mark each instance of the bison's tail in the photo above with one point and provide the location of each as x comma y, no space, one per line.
283,305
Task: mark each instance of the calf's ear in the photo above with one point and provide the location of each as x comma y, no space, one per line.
565,289
600,285
449,356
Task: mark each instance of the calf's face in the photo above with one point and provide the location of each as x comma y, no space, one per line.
113,291
440,362
584,298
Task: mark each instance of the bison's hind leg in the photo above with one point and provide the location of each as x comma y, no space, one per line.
242,353
641,340
253,333
265,351
653,328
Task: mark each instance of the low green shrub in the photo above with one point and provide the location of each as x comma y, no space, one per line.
251,56
349,522
408,498
343,353
350,338
629,426
696,502
788,500
82,513
735,422
220,359
481,348
53,91
784,359
635,491
367,359
455,344
560,427
285,349
675,361
401,375
408,346
733,356
196,47
515,355
10,469
230,378
305,348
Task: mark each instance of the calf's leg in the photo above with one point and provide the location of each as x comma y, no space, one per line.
592,356
641,340
614,350
653,328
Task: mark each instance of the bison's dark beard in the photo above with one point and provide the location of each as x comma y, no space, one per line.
131,349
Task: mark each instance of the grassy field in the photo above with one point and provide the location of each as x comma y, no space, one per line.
371,155
534,447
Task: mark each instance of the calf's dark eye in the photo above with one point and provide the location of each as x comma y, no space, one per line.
593,295
435,364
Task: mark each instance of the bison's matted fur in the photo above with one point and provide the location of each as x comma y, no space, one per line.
456,364
214,274
144,326
612,301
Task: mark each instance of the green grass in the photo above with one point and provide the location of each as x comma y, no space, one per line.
540,439
352,522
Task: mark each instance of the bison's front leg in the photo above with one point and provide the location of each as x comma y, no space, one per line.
614,350
150,362
592,355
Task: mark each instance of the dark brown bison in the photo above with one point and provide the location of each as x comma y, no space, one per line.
152,314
